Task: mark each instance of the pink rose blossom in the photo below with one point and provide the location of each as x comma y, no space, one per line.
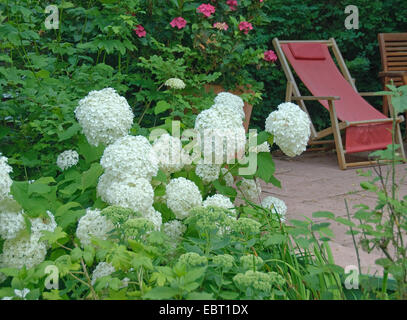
140,31
221,26
232,4
270,55
178,22
245,27
206,9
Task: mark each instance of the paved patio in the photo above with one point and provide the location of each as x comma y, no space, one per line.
313,182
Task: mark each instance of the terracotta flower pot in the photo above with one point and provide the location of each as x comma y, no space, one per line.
216,88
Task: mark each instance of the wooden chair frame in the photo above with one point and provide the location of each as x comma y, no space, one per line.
393,53
293,94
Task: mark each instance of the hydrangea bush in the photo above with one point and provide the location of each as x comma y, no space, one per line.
130,214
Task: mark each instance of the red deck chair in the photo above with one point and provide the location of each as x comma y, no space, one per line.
366,128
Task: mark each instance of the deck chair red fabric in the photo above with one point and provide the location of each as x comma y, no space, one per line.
315,67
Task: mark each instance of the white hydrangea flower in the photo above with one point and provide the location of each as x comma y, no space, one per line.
154,216
5,180
290,127
207,172
171,156
104,116
22,251
93,224
182,196
251,189
276,205
218,118
11,224
219,200
175,83
130,156
103,269
227,98
174,229
132,193
230,181
67,159
221,134
229,109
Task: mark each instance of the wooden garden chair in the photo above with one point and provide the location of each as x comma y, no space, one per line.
366,128
393,51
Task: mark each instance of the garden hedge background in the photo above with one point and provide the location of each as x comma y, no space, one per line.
44,73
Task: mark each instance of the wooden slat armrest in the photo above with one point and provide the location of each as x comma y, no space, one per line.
314,98
392,74
355,123
372,94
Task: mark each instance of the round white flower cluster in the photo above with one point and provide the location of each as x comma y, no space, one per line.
11,224
276,205
290,127
93,224
104,116
175,83
67,159
182,196
103,269
229,99
251,189
171,156
207,172
22,251
5,180
132,193
130,156
221,131
174,229
130,163
219,200
27,250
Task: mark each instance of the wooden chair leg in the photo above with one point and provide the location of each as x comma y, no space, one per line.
385,107
337,135
405,83
399,140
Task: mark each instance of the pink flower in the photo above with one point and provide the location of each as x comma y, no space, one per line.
221,26
270,55
245,26
178,22
232,4
140,31
206,9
